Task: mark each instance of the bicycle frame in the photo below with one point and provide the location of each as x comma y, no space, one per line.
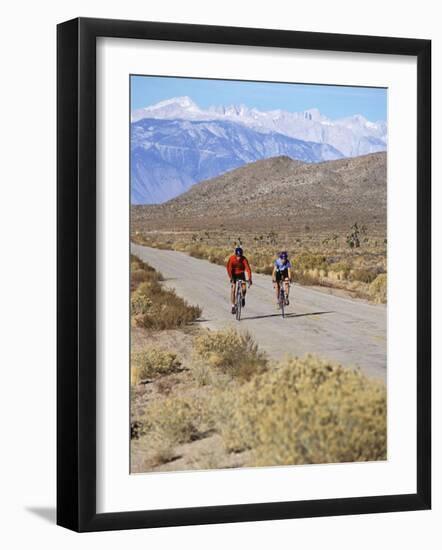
282,295
238,298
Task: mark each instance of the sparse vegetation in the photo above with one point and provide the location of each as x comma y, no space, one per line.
321,260
378,289
230,352
296,411
175,420
223,390
221,402
308,411
156,307
353,238
142,272
151,363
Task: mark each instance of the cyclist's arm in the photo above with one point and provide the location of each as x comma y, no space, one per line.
274,274
289,273
248,270
229,267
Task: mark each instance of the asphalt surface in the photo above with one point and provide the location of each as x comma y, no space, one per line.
349,331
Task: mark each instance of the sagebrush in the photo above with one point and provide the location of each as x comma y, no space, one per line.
229,351
308,411
156,307
153,362
295,411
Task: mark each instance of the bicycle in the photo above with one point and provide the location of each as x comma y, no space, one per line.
239,297
282,296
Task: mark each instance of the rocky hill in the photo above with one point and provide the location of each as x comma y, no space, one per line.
279,192
169,156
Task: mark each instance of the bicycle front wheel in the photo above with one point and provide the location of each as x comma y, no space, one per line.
238,306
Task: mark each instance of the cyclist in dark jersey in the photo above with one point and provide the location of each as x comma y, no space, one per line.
282,272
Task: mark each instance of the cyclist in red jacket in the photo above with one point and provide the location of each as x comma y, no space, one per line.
237,267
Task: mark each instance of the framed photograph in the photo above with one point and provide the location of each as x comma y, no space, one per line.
243,274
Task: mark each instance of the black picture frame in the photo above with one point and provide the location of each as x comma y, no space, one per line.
76,273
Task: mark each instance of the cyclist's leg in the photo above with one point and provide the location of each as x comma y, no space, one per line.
287,286
232,291
243,287
287,290
277,289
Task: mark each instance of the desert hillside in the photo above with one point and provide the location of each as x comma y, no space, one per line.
279,192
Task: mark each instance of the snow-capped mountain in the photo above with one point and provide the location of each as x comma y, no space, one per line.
169,155
175,143
352,136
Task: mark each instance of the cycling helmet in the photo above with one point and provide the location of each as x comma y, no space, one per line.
283,255
238,251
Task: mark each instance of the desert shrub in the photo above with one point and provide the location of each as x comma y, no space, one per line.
363,275
171,311
215,255
136,429
218,256
308,411
378,288
176,420
202,373
149,288
198,251
307,260
139,275
341,267
141,272
166,385
230,352
153,362
140,304
153,306
305,278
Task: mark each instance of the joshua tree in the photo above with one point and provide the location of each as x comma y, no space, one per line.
353,239
272,237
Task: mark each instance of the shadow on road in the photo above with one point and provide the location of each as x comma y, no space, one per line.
287,315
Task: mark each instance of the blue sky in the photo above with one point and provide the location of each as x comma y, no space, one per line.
332,101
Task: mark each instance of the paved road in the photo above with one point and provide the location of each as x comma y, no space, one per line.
349,331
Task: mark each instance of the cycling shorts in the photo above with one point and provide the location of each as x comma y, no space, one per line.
280,275
238,277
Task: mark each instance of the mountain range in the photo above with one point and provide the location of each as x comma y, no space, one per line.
278,192
175,143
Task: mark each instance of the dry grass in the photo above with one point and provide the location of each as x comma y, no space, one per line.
141,272
155,307
321,259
